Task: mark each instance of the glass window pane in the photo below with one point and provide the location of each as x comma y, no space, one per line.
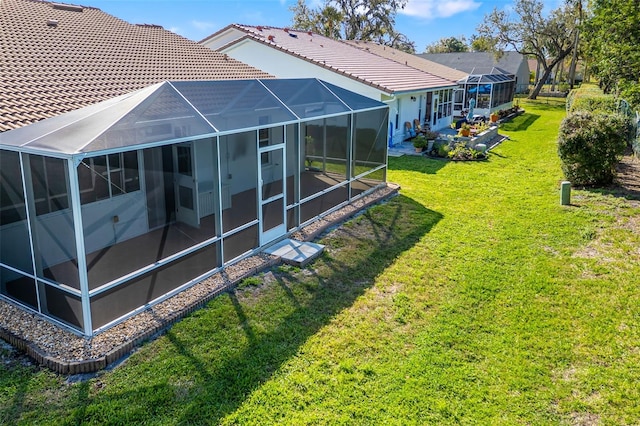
239,172
131,174
15,247
162,115
185,195
116,174
39,184
85,182
272,174
240,242
139,228
337,146
61,305
117,186
114,303
370,141
57,183
293,164
306,98
368,182
184,160
323,203
18,287
234,104
292,218
54,234
101,178
272,214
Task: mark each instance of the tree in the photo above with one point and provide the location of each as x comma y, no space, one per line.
366,20
448,45
548,39
326,21
612,37
481,44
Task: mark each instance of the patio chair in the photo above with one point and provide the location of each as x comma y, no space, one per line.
409,131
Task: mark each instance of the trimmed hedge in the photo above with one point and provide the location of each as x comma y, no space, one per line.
590,146
590,98
601,103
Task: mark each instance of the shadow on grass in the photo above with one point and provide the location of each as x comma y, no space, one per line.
415,163
519,123
627,180
361,250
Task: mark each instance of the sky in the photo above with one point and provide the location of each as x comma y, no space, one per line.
422,21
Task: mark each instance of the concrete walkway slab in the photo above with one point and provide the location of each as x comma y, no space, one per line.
295,252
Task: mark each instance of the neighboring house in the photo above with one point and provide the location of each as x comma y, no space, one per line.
477,63
533,68
491,83
113,207
411,93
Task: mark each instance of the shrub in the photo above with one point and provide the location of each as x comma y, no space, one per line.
431,134
419,141
630,91
590,145
593,103
460,151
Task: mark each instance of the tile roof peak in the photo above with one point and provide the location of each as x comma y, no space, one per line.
69,7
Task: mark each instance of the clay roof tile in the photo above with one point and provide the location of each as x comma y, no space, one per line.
90,56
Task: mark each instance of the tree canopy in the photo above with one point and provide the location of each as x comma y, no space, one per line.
549,39
366,20
448,45
612,44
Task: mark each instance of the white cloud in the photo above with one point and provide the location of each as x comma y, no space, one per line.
429,9
203,26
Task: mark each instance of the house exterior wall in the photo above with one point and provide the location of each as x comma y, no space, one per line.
284,65
522,77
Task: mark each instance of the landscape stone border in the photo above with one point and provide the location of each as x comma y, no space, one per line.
67,353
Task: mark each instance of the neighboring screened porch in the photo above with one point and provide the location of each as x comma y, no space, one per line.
119,205
492,92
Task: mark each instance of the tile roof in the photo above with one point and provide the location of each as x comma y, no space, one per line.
340,57
58,57
409,60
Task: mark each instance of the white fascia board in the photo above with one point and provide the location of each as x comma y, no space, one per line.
223,38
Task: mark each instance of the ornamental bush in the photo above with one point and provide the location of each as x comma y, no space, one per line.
593,103
590,146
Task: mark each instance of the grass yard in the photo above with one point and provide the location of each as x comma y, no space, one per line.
472,298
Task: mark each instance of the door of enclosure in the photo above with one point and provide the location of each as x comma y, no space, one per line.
434,111
272,197
186,184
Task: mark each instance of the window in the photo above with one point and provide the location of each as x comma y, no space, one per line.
263,141
267,137
108,176
11,194
49,180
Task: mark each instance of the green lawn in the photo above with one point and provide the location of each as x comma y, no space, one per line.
472,298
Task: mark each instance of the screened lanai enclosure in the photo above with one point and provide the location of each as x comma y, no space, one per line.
111,208
492,92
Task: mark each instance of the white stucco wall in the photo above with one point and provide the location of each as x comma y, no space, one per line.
284,65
